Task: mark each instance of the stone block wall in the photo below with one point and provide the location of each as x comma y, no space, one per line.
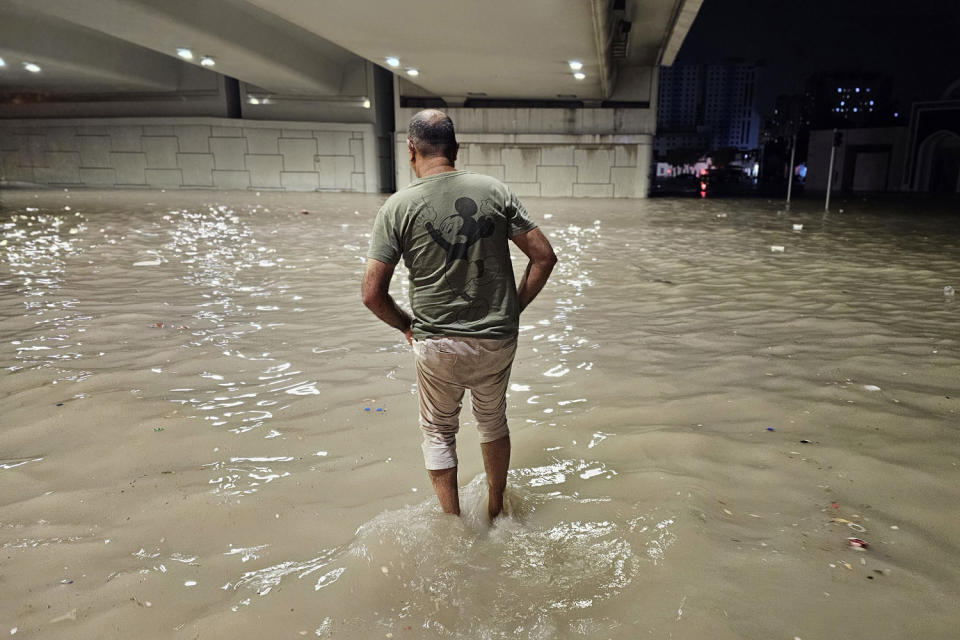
553,166
190,153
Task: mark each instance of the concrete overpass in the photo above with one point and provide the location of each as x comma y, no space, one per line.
557,98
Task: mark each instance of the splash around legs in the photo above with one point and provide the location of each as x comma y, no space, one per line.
496,463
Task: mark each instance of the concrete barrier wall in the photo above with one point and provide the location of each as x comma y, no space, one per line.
190,153
626,121
550,152
552,166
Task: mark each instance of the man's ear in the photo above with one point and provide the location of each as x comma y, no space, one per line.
412,151
456,152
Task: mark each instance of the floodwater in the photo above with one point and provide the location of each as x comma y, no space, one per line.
205,434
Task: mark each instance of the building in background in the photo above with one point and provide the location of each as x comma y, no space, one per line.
707,107
933,145
922,156
839,99
844,99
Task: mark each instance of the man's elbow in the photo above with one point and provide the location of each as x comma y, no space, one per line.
548,259
369,296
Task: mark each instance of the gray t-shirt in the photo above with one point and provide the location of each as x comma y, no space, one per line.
451,230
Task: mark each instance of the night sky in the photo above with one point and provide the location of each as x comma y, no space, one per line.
915,42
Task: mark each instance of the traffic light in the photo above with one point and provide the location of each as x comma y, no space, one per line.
838,138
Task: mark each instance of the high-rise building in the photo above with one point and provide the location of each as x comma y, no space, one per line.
707,106
846,99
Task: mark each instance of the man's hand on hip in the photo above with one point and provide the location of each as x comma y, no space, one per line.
542,258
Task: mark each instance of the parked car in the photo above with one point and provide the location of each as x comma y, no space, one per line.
726,182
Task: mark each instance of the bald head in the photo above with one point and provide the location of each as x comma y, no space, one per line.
431,134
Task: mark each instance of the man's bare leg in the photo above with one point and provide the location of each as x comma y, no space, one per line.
496,461
445,485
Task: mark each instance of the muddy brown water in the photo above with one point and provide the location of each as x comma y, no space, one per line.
204,433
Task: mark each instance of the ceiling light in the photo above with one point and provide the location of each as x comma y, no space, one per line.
186,54
253,100
413,73
579,75
576,65
207,61
31,67
393,62
2,63
366,103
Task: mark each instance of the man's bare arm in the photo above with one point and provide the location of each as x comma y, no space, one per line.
375,292
542,258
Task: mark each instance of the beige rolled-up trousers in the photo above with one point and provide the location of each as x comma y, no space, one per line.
448,366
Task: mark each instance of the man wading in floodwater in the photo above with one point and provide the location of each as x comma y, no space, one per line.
451,228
